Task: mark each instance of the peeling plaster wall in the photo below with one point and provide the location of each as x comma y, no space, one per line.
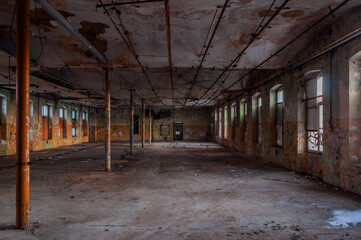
340,162
8,145
196,124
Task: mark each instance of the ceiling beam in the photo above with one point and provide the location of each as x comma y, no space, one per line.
50,9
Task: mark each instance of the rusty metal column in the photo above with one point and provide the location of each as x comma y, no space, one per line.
150,124
23,117
131,121
107,120
143,123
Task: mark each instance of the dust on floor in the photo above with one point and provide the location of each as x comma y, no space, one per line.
170,191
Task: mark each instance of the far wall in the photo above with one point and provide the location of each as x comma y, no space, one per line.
196,124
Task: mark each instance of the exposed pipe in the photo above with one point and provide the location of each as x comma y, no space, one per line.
107,120
167,18
206,51
127,3
50,9
22,113
253,38
284,47
209,31
131,127
132,51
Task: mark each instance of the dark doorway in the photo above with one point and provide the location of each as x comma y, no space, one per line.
178,131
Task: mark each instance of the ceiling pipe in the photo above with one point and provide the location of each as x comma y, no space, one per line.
126,3
131,49
50,9
167,18
331,46
253,39
206,51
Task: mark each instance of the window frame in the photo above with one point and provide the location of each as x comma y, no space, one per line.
64,123
259,118
279,89
318,133
84,118
49,119
225,125
74,130
243,117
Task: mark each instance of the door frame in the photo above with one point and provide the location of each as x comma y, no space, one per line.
174,130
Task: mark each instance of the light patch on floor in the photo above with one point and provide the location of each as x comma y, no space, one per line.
345,219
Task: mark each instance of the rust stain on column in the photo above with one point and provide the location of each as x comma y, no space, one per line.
23,117
131,121
107,120
150,124
143,123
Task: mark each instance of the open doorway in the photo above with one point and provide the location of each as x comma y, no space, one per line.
178,131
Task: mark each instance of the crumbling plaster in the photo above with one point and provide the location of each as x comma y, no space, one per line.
339,163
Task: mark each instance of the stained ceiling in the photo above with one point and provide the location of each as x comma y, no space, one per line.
206,36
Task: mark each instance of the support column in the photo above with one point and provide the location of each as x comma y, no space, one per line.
23,112
131,121
107,120
143,123
150,124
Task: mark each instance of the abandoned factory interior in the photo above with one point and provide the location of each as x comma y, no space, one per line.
178,119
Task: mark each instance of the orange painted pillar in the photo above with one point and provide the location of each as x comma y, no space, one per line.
107,121
143,123
131,136
23,113
150,124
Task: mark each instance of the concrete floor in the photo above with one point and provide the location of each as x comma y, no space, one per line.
170,191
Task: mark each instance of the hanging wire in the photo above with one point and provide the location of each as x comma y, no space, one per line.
11,27
41,40
269,9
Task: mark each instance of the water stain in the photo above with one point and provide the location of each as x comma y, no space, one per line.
264,13
91,31
293,14
41,18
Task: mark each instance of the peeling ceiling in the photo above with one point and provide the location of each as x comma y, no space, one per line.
64,67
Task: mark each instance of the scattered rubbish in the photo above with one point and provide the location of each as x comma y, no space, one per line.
344,218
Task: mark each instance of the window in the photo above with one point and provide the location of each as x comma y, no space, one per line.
220,123
215,120
47,116
62,122
279,116
31,131
233,122
259,119
136,124
225,122
243,117
74,123
3,106
314,114
84,118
